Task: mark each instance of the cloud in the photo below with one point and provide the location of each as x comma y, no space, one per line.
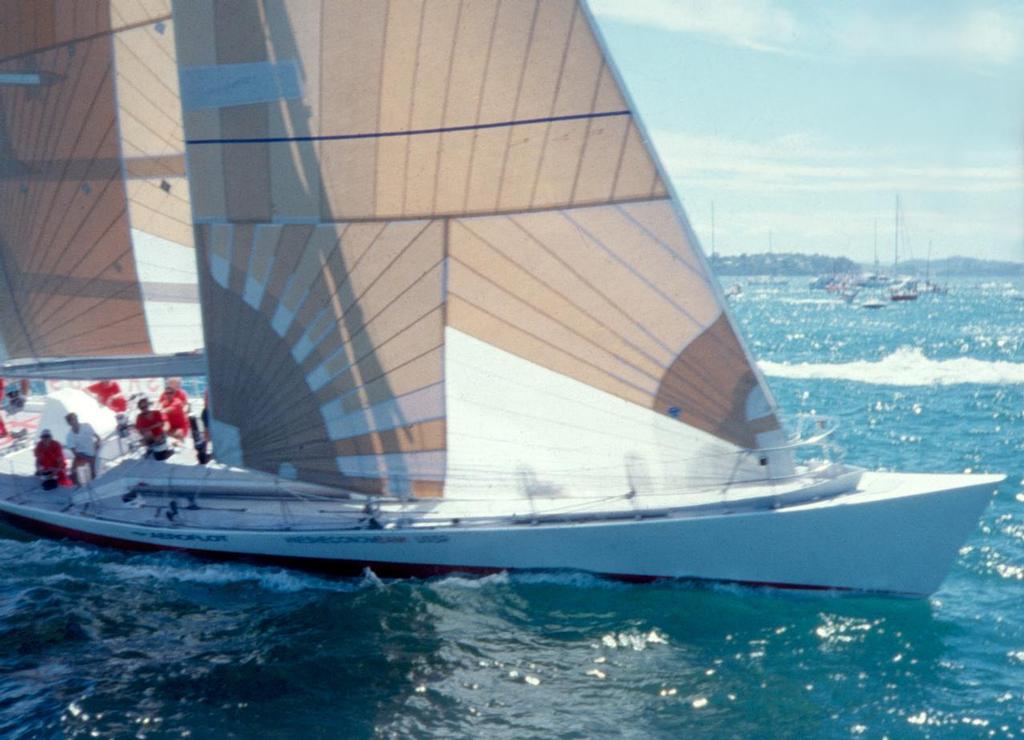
798,163
986,36
973,35
754,24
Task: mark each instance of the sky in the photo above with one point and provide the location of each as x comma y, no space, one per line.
800,122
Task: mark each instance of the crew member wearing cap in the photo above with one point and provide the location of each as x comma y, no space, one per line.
151,423
174,402
84,442
50,457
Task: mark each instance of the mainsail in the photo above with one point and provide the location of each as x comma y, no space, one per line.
437,256
96,252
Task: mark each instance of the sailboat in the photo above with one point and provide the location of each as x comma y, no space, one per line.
904,289
454,316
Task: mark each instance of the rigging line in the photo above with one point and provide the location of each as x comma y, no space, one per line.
515,102
626,341
80,39
412,132
594,347
554,102
159,45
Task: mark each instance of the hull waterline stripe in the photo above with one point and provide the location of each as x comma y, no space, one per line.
341,567
410,132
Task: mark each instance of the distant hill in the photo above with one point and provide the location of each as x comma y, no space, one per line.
958,266
785,263
789,263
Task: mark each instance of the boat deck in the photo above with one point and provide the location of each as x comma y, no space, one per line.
180,493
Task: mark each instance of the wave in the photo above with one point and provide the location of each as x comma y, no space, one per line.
269,578
906,366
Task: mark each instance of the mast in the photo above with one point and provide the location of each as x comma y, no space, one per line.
896,238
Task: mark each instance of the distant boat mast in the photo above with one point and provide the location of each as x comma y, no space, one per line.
896,238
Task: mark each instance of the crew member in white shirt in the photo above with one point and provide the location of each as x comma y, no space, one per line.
84,442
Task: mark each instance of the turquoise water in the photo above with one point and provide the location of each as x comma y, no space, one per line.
102,643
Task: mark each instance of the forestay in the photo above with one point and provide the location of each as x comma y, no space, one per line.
96,250
437,256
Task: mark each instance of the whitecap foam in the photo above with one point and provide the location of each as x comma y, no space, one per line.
271,579
906,366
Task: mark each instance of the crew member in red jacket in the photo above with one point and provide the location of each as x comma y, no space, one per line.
174,404
151,423
50,462
108,392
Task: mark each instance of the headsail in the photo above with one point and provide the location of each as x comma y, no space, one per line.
96,252
437,255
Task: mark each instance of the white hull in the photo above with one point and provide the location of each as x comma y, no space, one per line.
896,533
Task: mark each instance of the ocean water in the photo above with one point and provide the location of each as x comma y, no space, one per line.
101,643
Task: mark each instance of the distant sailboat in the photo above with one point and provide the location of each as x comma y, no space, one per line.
904,289
455,318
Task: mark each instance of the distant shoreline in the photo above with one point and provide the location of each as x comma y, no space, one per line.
791,264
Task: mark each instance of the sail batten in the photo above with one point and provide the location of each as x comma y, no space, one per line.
409,204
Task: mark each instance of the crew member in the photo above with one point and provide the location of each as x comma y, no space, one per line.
151,424
174,402
108,393
83,442
50,463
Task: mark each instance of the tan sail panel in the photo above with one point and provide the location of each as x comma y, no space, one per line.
68,276
371,176
404,110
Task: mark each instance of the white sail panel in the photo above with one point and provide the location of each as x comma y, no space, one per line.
394,174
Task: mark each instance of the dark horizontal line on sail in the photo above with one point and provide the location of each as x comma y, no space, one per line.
438,216
93,170
411,132
80,39
90,287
